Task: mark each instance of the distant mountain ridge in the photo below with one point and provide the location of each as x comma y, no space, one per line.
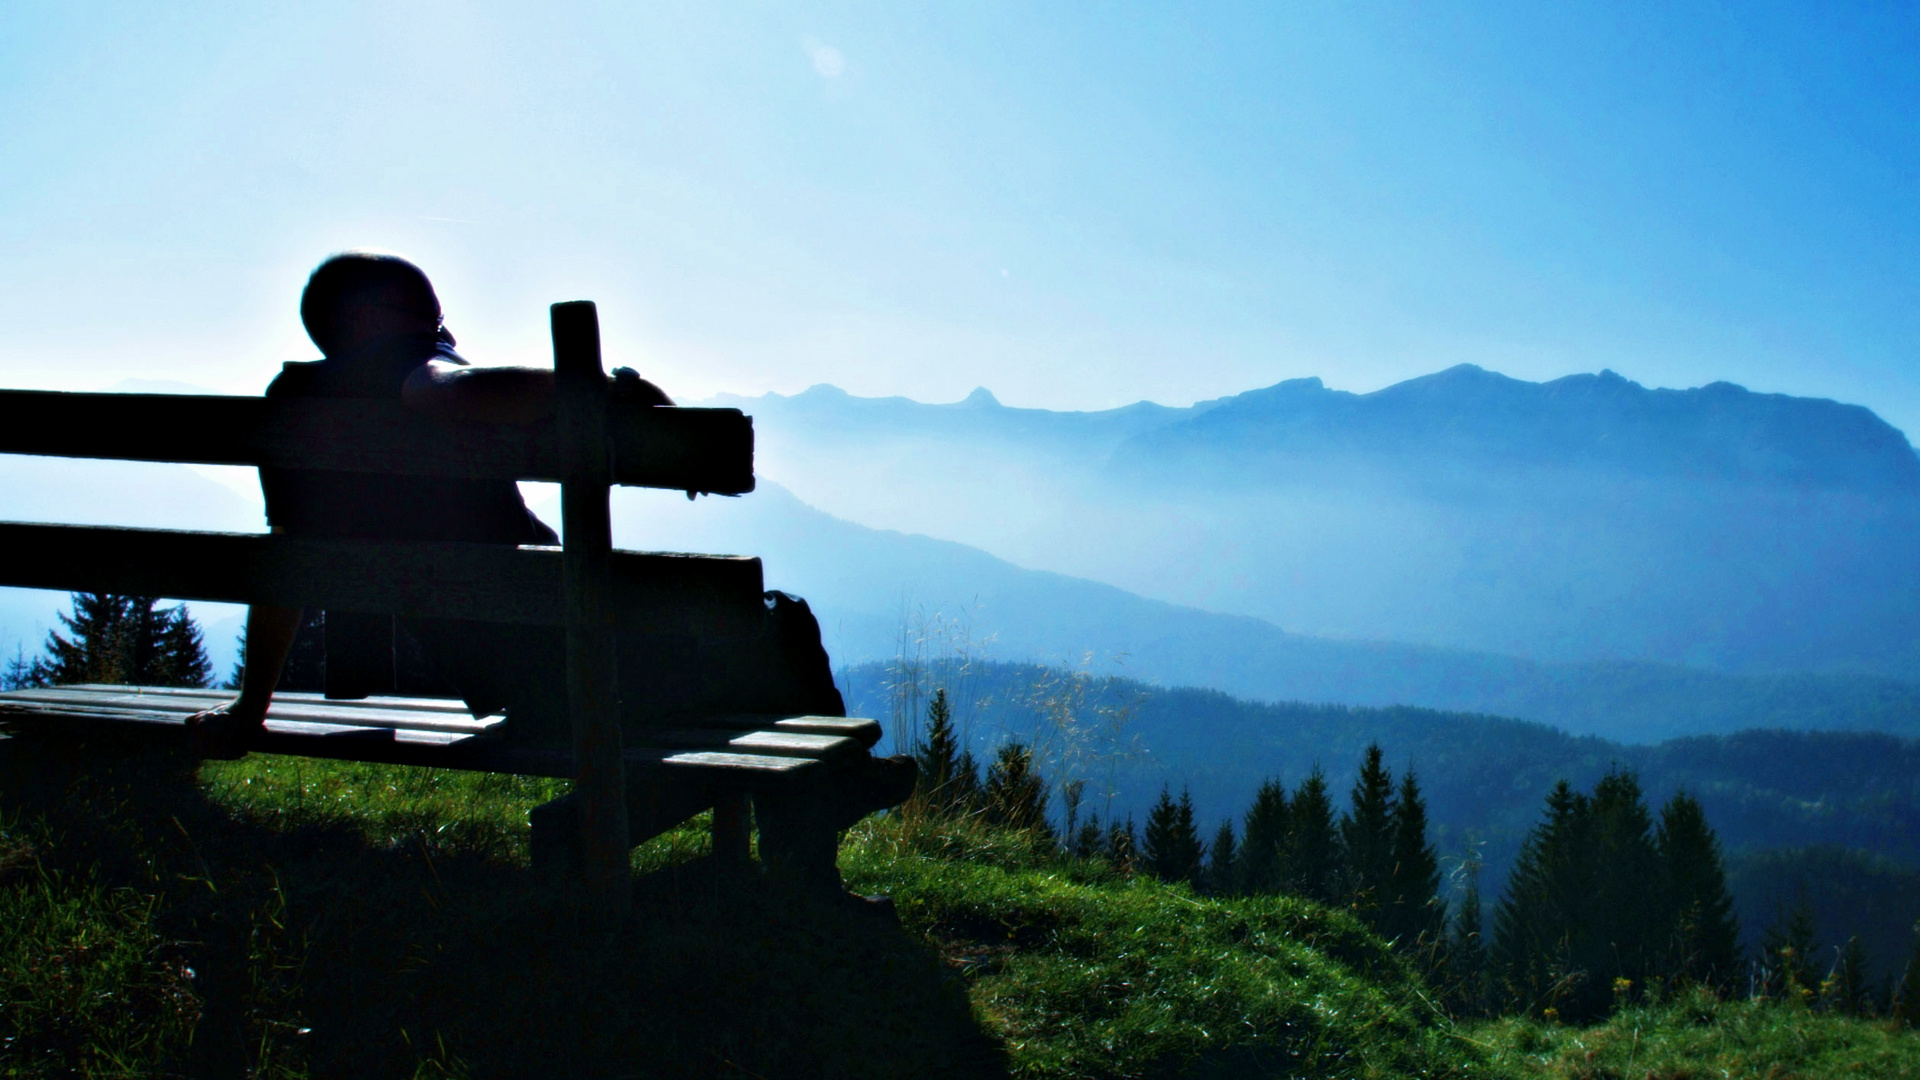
877,592
1587,519
1464,414
1467,416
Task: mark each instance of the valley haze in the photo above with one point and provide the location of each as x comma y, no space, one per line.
1588,553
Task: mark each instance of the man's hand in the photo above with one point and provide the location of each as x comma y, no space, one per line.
223,733
630,389
506,395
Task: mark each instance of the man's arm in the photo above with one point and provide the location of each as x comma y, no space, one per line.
489,395
224,731
504,395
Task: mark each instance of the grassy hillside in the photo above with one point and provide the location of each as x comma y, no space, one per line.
278,917
1485,777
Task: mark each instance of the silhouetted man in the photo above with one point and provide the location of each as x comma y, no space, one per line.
378,324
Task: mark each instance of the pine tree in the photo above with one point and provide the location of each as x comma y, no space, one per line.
1847,987
20,673
1416,917
1583,916
1263,844
1536,923
121,639
1089,841
1158,838
1123,846
947,783
1788,949
1312,866
183,653
1366,838
1195,854
1703,932
1170,846
92,650
239,672
1906,998
1626,915
969,790
1014,795
1467,949
1222,871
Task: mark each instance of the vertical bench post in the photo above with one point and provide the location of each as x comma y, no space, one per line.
592,679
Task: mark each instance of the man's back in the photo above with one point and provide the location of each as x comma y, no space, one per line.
315,503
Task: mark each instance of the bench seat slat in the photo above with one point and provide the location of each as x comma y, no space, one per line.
204,698
773,743
111,701
704,760
176,710
866,732
735,751
680,449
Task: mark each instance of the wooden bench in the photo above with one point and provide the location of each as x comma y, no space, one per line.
788,767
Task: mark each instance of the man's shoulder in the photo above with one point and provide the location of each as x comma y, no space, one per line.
297,378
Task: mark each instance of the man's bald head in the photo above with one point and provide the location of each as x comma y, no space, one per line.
357,290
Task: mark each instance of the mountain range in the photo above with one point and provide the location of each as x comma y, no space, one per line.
1580,520
1015,534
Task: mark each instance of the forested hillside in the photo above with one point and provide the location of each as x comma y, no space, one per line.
870,585
1485,777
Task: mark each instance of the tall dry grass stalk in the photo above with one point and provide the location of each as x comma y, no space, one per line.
1081,735
935,651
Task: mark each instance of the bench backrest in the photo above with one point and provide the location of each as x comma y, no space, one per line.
590,444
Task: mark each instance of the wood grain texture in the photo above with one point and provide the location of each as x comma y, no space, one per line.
708,450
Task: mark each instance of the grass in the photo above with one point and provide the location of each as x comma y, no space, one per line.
277,917
1083,973
1697,1037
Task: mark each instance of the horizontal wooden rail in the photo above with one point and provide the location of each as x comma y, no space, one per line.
708,594
709,450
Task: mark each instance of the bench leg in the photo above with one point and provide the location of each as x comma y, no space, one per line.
731,839
652,808
556,837
799,844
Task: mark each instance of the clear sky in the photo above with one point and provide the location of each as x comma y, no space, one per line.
1076,205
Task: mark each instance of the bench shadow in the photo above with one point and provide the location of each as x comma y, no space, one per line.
316,950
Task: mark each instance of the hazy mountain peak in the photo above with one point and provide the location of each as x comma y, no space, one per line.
821,392
1472,421
981,398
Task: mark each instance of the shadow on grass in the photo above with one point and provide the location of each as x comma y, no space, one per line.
262,950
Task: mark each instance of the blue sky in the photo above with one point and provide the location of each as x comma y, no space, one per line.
1076,205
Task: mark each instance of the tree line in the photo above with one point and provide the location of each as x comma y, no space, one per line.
117,639
1607,902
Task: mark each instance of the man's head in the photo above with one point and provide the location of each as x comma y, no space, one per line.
357,296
